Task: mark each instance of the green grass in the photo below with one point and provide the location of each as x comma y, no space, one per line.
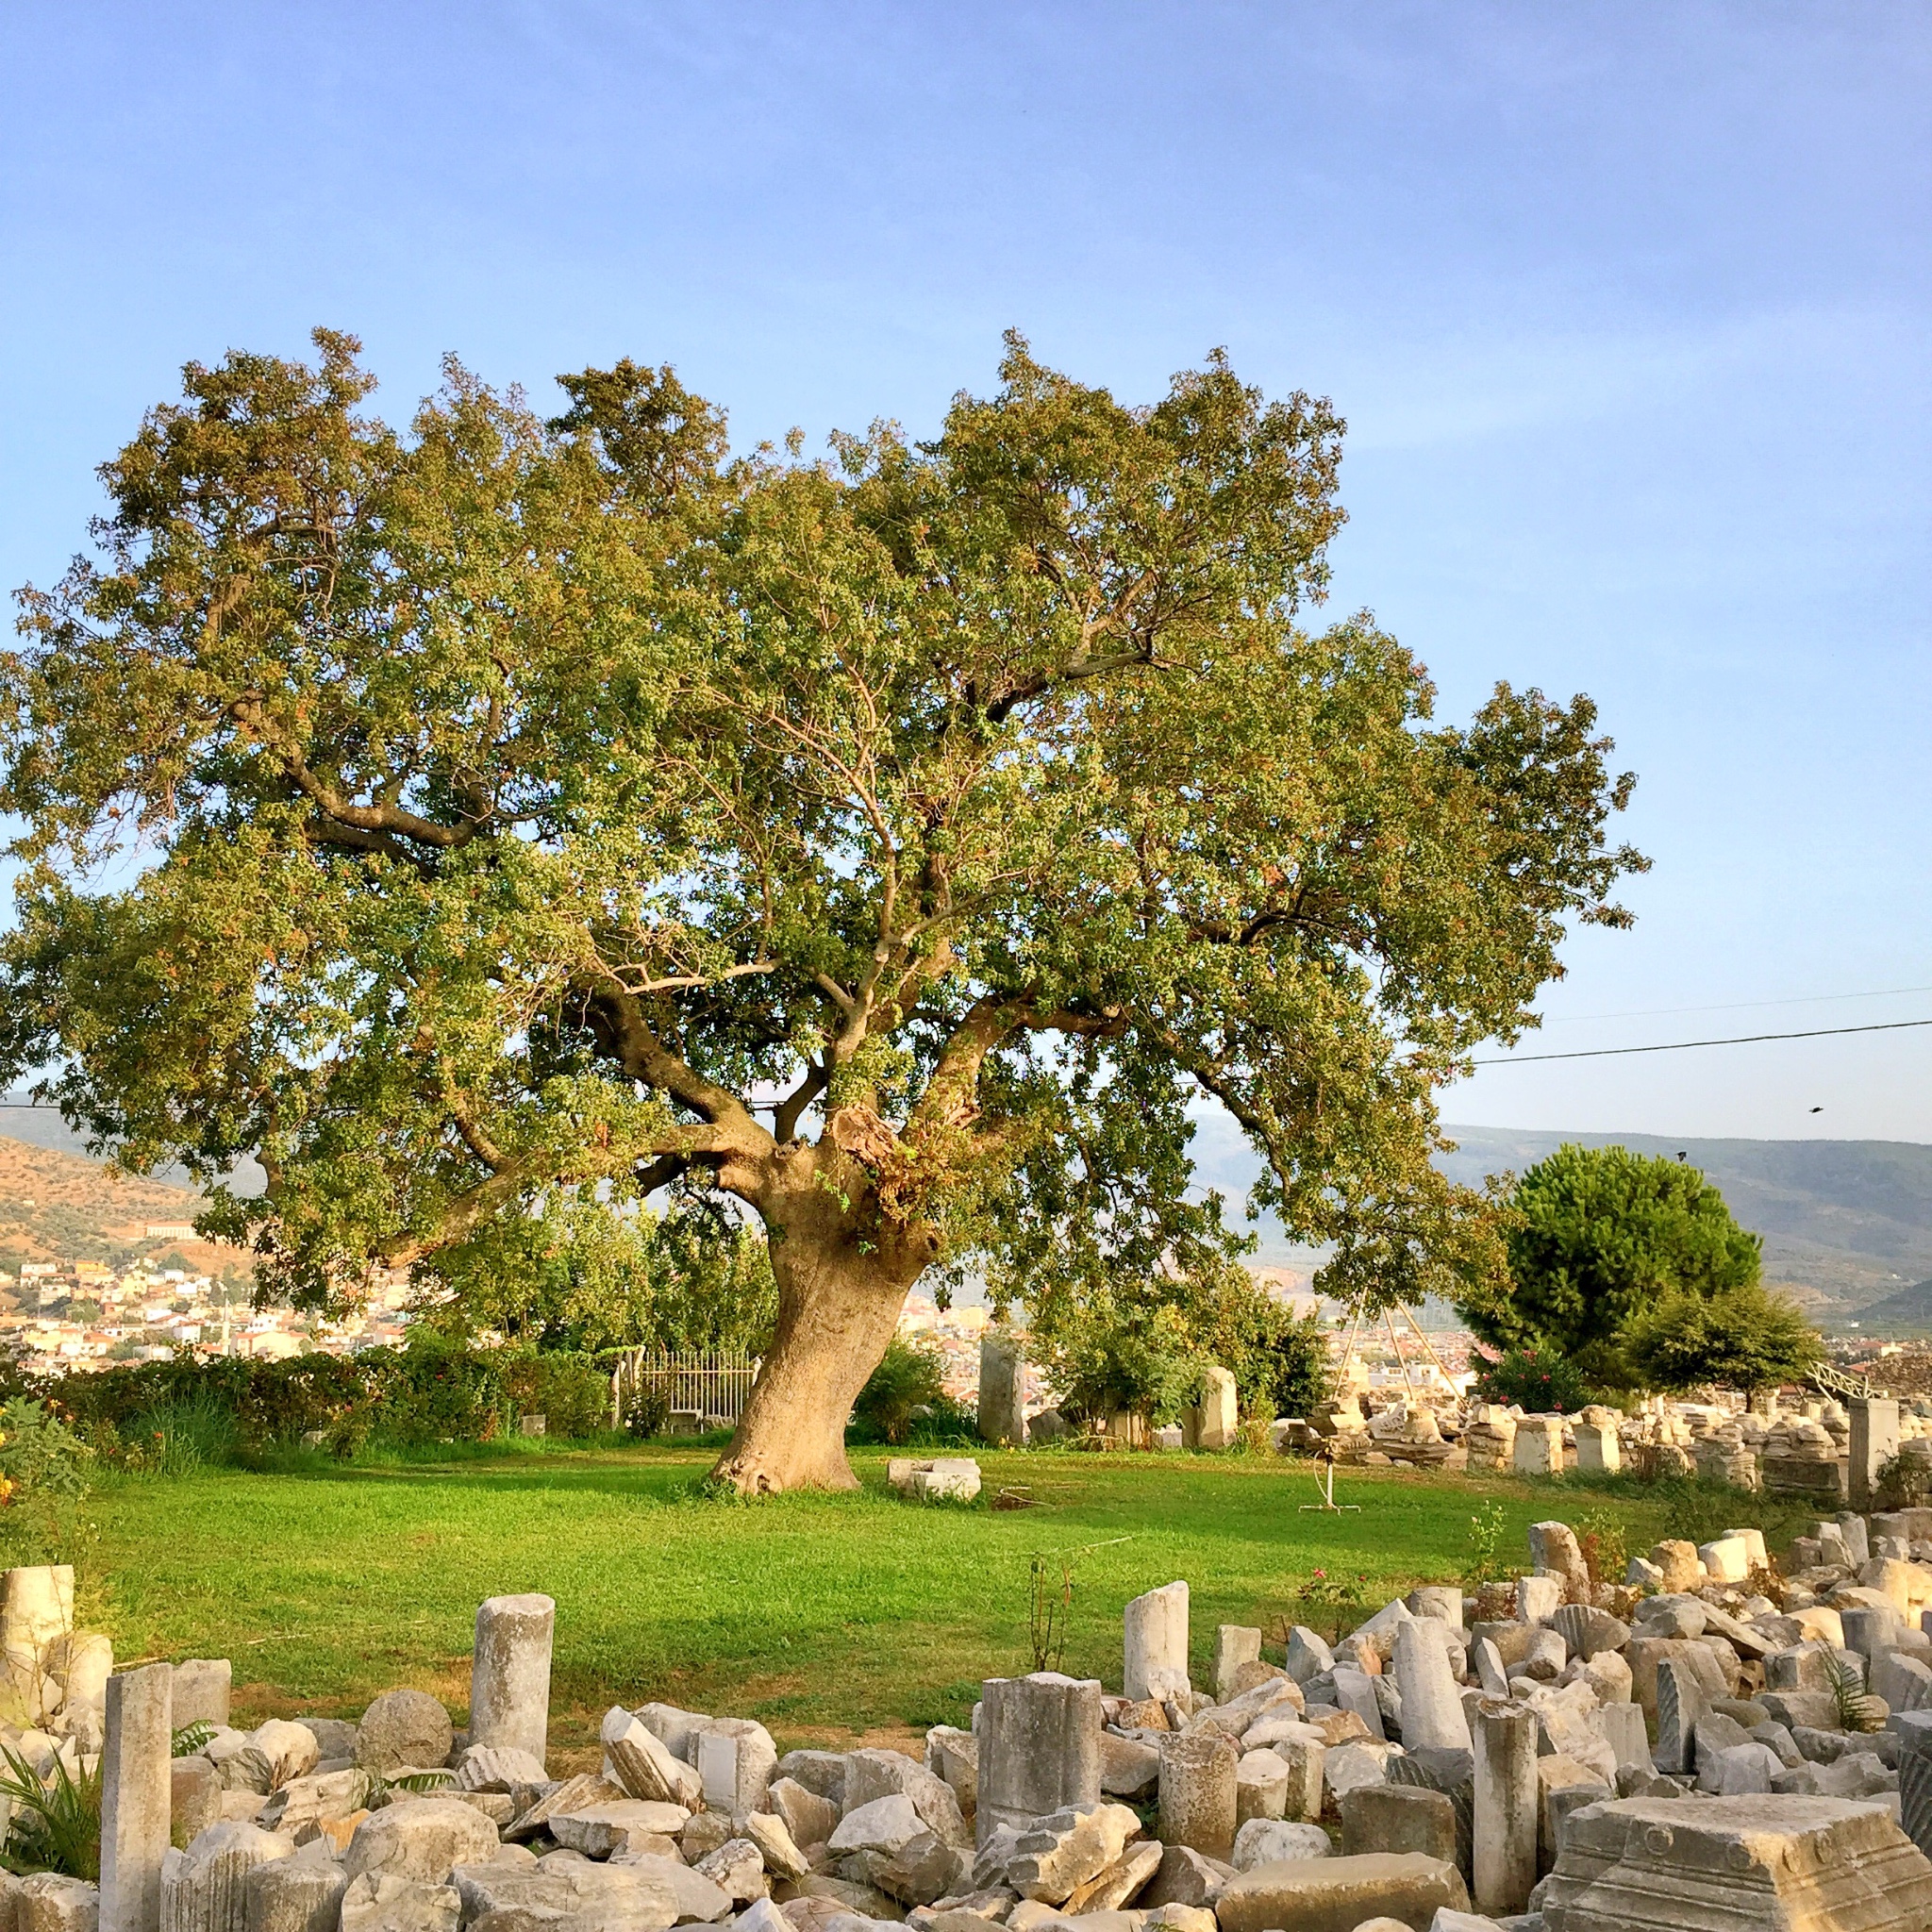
824,1616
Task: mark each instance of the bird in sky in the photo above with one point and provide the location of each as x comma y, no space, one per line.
1817,1109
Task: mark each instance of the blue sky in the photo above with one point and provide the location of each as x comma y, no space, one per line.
1627,306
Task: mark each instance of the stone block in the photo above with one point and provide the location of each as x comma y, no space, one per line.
1059,1854
1235,1644
298,1894
381,1901
1268,1841
403,1728
1538,1447
201,1691
1338,1894
1743,1864
420,1839
1597,1449
1398,1818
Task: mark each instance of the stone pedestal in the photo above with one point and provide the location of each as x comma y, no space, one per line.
1155,1642
1539,1446
1039,1747
1506,1808
1197,1793
1214,1422
1002,1388
136,1798
510,1673
1874,1444
1597,1449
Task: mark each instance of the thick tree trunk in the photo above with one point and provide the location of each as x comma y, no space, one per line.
839,1301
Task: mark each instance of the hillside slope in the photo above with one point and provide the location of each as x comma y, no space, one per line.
62,1206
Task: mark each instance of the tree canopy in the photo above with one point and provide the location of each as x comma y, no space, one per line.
490,819
1743,1338
1597,1236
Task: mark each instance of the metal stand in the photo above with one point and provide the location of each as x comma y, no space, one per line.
1327,1488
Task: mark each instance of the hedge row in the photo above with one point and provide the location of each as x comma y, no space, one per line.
428,1391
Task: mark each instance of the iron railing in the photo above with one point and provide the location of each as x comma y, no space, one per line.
712,1387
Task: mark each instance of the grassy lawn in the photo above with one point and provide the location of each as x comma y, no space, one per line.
829,1618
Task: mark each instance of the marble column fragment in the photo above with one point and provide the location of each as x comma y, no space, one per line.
510,1673
1680,1703
1913,1729
204,1888
1197,1793
1505,1809
1154,1631
137,1787
1039,1747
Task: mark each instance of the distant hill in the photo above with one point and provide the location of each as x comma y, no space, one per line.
1908,1312
1847,1224
1849,1219
61,1207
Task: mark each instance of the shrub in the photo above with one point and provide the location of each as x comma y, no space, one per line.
1536,1379
907,1377
568,1389
40,1455
56,1825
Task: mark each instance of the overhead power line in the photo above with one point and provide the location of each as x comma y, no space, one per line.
1598,1053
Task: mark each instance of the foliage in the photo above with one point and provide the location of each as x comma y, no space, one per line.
908,1377
40,1455
1110,1341
1333,1600
1856,1712
56,1823
190,1739
1599,1235
189,1412
1604,1546
1485,1561
582,1279
649,1413
1049,1604
195,1430
1743,1338
1538,1380
486,823
1903,1481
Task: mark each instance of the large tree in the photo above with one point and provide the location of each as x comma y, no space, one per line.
1597,1237
484,820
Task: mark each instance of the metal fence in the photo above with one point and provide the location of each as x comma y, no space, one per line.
711,1387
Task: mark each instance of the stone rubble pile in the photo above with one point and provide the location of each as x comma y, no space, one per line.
1705,1746
1811,1447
